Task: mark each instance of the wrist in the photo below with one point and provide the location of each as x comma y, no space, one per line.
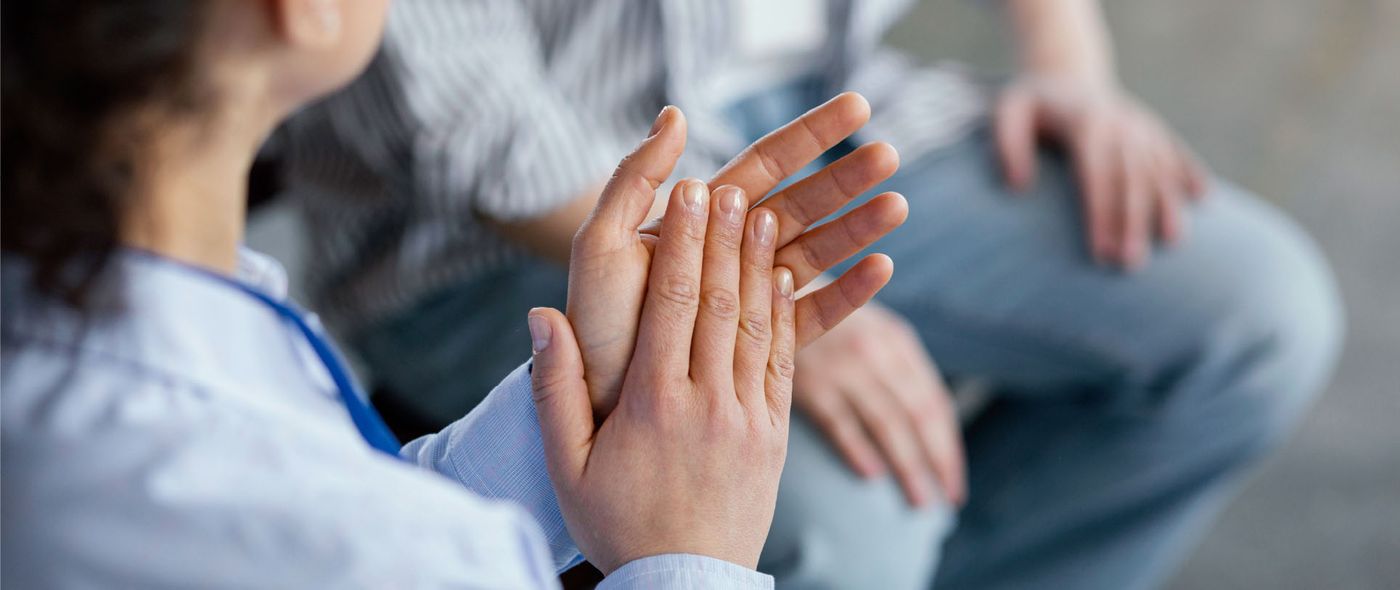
1064,39
1089,76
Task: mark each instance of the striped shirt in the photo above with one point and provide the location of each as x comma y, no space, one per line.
507,109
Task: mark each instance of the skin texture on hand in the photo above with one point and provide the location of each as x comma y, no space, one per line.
612,252
1134,175
689,460
875,393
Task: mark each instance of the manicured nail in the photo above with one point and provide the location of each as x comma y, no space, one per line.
782,277
694,196
540,332
766,229
731,202
660,121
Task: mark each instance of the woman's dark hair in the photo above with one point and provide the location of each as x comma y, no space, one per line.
76,75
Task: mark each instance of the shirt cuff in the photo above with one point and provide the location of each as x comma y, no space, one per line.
496,451
683,571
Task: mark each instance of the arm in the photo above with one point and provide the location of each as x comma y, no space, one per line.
870,385
1062,37
497,450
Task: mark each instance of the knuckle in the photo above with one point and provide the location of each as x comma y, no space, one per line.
757,263
865,346
669,406
727,419
544,386
755,325
883,431
889,421
783,365
721,303
769,164
926,411
810,255
627,178
678,290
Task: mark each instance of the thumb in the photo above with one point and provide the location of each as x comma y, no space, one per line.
1015,137
560,394
629,195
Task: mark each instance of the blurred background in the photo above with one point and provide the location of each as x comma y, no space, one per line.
1298,100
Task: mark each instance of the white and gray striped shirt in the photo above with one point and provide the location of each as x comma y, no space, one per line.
506,109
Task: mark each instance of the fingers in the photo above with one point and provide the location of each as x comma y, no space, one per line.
1145,200
673,288
1015,137
833,416
1169,197
1132,242
928,401
823,193
1193,171
828,245
755,337
712,356
560,394
892,429
629,195
1093,164
780,154
820,311
782,353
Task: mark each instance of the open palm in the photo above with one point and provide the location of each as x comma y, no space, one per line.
612,252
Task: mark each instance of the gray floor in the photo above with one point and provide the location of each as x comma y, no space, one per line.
1298,100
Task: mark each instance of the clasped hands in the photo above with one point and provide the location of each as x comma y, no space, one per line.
664,395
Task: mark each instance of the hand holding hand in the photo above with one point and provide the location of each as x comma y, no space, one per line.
688,461
1134,174
611,255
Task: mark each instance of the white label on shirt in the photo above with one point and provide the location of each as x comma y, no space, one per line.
779,28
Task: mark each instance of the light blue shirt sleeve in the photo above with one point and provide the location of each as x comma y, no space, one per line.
142,452
681,571
496,451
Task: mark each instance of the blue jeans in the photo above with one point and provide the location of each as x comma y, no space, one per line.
1128,405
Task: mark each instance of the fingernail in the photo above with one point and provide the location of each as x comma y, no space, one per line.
782,277
766,229
731,203
660,120
694,196
540,333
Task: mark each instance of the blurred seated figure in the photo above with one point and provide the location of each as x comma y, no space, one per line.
1150,330
172,420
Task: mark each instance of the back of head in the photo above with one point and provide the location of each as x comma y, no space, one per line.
76,75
